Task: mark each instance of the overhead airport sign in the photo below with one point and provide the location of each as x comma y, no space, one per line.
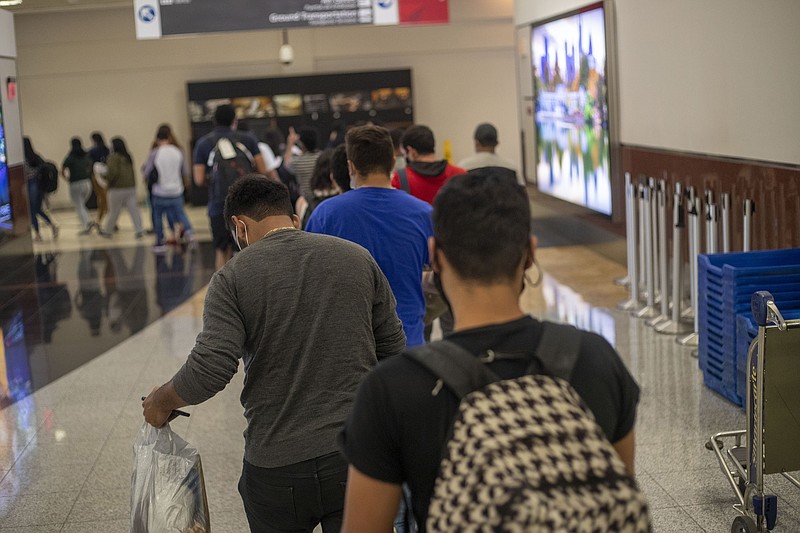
165,18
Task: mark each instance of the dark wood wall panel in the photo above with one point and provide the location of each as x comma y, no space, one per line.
775,188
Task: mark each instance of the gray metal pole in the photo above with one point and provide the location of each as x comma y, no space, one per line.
749,209
725,199
693,338
663,269
633,302
674,325
649,311
626,280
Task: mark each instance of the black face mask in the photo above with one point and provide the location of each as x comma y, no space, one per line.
437,281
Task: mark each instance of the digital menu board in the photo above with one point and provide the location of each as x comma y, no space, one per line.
163,18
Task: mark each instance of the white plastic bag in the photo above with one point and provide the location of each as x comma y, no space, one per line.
167,487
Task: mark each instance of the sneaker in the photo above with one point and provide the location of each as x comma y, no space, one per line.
188,236
104,234
139,234
87,230
55,231
160,248
37,238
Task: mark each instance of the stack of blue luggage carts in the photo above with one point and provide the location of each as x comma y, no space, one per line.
726,283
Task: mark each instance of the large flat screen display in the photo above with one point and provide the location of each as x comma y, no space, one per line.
5,200
572,125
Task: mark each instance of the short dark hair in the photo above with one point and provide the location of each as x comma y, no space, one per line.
257,196
339,169
225,115
397,137
370,149
321,175
486,134
482,224
420,138
310,138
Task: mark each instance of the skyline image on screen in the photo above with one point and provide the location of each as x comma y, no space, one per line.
569,67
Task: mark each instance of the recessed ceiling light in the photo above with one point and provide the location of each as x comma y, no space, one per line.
6,3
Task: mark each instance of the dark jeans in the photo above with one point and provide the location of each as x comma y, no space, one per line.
35,199
297,497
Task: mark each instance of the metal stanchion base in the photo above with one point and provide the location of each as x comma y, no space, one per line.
647,312
692,339
625,282
653,322
673,328
629,305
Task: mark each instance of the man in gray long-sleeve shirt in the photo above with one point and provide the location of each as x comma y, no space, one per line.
310,315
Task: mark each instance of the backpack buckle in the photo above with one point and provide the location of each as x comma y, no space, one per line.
488,357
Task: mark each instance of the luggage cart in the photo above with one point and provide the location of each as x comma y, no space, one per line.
773,419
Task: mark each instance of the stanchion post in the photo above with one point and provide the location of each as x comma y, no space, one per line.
663,269
693,338
625,281
725,200
749,209
674,325
633,267
649,311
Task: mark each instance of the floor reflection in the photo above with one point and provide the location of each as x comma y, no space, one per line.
84,303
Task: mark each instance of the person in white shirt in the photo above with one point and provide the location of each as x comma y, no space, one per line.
485,146
164,169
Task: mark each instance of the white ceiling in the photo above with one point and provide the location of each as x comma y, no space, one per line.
33,6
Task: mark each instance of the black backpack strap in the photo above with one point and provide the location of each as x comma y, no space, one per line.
402,175
459,370
558,349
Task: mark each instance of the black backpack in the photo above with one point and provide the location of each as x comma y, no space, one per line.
48,177
526,454
226,170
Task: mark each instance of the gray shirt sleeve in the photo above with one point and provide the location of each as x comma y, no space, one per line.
386,326
214,359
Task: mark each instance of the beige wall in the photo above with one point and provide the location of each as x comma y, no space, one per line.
84,70
710,76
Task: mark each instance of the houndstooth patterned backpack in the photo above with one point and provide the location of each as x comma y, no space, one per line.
526,454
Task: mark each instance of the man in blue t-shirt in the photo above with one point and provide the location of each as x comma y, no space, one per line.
225,124
393,225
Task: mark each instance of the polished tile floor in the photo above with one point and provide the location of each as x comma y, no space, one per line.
65,450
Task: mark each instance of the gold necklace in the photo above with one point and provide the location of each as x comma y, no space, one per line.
270,232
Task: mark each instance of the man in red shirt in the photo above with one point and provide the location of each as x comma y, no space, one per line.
425,174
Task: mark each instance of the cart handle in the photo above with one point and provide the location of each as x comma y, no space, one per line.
764,310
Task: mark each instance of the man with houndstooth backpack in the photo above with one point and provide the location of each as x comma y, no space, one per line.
510,423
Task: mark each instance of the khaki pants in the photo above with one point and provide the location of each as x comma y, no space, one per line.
102,200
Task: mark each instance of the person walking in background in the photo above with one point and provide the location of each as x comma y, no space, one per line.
340,172
76,169
121,188
166,167
485,157
302,166
150,179
98,154
203,166
34,166
322,188
425,173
